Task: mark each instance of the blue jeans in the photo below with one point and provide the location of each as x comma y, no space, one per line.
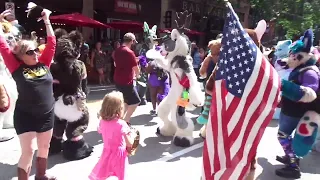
288,124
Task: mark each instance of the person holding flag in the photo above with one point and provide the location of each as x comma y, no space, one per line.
246,94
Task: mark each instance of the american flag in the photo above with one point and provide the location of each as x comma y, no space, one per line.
243,103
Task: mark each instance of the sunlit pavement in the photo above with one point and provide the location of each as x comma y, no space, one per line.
156,158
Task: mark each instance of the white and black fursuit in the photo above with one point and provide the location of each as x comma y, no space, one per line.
71,112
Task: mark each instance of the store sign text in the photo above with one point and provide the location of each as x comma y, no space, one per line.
126,7
191,7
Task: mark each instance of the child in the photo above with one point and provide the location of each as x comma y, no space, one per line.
116,138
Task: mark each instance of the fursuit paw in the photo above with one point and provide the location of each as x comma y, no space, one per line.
182,141
165,131
76,150
309,95
203,130
306,133
55,146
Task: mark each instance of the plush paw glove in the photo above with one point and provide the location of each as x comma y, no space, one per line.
143,61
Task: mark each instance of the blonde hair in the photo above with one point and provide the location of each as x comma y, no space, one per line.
112,106
23,46
214,42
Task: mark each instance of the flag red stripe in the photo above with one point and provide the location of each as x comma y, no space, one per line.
224,123
206,162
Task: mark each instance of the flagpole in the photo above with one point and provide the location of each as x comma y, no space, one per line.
228,4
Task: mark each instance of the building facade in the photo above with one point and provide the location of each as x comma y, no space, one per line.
208,16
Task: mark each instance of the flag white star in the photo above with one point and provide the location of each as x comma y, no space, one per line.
235,75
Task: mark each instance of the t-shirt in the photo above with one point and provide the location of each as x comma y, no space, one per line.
125,60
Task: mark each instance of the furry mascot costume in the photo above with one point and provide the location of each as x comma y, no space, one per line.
149,36
71,112
300,106
8,87
282,53
185,90
157,76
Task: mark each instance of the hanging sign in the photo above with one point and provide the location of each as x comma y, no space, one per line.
126,7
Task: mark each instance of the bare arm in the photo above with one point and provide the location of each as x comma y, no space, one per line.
92,58
204,66
136,70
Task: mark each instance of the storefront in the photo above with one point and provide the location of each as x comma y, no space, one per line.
126,10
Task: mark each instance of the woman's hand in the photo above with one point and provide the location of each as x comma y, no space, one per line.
4,14
45,14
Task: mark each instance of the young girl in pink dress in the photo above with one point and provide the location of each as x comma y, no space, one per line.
116,137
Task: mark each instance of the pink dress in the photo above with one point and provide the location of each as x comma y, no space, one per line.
114,158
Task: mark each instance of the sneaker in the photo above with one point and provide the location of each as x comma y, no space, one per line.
153,113
286,160
289,172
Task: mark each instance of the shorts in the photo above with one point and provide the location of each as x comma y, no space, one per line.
130,94
288,124
27,122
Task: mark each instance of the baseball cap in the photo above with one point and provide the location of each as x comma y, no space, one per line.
130,36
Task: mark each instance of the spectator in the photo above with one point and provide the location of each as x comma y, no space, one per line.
99,61
126,67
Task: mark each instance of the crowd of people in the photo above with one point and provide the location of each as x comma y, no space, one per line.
35,68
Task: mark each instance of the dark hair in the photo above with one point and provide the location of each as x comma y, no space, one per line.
60,32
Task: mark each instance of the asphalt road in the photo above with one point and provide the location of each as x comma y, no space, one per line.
156,158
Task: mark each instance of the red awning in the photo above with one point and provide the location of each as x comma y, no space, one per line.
190,32
126,25
77,19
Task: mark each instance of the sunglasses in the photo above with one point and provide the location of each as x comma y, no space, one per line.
32,52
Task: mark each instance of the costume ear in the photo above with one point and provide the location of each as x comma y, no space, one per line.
288,43
308,40
154,28
261,29
174,34
188,21
145,27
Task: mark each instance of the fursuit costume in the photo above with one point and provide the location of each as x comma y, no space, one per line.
185,92
300,106
9,92
71,112
149,36
157,76
282,52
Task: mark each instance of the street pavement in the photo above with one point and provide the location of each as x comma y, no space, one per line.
156,158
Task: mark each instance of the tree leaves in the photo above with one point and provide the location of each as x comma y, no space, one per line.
294,16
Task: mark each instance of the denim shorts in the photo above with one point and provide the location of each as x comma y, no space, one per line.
288,124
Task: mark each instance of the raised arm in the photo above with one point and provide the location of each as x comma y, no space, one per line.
48,52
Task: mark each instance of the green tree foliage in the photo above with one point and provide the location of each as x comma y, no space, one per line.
294,16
